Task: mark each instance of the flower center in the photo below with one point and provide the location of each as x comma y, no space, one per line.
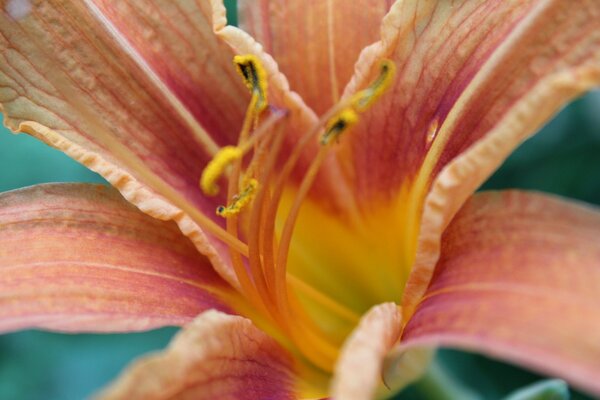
262,210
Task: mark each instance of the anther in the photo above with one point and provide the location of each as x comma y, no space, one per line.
255,78
239,201
338,124
213,171
364,99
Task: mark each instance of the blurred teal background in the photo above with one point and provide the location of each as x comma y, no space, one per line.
564,158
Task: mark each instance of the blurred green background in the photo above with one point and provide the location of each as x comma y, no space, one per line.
564,158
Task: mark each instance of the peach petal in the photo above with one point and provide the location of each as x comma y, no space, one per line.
326,38
575,49
518,278
466,70
78,257
217,356
359,369
67,66
330,185
176,40
73,78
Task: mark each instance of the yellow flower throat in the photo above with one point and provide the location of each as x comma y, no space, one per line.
259,191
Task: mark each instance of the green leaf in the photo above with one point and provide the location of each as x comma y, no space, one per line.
552,389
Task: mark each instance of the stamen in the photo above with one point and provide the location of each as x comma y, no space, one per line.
215,168
262,271
255,78
364,99
340,118
338,124
360,102
239,201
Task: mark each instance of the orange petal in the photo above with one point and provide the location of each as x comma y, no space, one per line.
466,70
140,92
359,369
519,279
78,257
217,356
315,43
330,186
104,86
176,40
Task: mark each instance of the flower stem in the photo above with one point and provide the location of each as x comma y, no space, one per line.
437,384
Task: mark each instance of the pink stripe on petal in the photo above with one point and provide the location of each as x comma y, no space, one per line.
177,41
78,257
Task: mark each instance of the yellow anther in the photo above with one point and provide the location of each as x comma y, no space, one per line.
338,124
364,99
255,78
240,201
213,171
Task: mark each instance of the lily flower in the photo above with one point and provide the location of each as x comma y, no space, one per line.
306,213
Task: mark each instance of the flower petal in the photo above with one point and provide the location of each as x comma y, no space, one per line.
217,356
77,76
176,40
466,70
326,38
107,98
330,185
519,279
103,88
78,257
359,369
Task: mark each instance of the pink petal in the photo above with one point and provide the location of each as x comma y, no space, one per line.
78,257
68,67
176,39
315,43
519,279
215,357
466,70
76,77
329,185
140,92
